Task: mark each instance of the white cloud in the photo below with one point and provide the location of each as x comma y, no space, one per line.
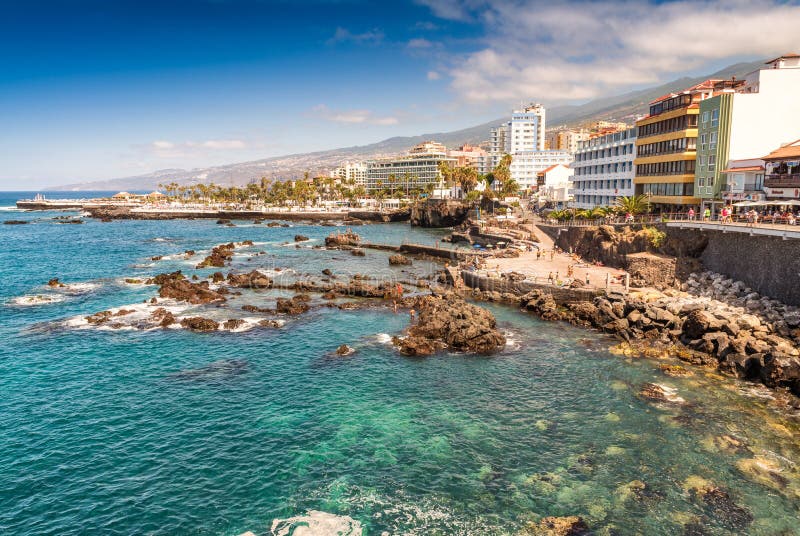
343,35
580,50
433,75
169,149
419,43
352,117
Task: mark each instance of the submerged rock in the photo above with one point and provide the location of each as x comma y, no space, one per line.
660,393
217,370
55,283
300,238
557,526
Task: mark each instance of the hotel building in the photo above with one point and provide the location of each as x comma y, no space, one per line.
604,169
665,149
419,169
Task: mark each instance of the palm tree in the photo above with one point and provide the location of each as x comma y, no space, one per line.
635,204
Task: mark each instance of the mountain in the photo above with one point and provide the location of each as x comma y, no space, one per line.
625,107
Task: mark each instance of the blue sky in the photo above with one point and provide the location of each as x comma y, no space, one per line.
103,89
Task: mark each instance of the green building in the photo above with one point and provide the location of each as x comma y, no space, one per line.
713,148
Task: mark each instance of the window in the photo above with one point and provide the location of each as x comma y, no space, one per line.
705,117
701,181
712,141
712,162
711,181
703,161
703,139
715,117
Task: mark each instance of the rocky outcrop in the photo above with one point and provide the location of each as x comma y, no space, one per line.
454,323
162,317
293,306
54,282
219,256
347,238
198,323
439,213
254,279
399,260
177,287
300,238
15,222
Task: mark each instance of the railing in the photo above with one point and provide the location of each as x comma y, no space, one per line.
791,180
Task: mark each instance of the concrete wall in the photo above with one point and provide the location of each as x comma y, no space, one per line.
768,264
560,294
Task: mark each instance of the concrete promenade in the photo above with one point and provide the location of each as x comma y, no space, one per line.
766,229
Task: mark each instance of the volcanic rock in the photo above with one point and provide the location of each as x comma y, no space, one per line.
254,279
198,323
458,324
176,286
396,260
219,256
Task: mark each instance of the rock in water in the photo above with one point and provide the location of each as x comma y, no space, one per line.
347,238
198,323
557,526
316,523
399,260
254,279
176,286
300,238
459,325
219,256
344,350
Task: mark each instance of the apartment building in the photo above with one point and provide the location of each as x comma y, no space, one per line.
604,169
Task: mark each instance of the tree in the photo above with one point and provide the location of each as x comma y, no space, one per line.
635,204
509,187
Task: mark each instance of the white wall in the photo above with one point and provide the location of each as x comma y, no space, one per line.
765,120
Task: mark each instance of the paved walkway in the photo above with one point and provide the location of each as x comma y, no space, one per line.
558,263
768,229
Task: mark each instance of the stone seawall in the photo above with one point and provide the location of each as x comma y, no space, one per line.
768,264
561,295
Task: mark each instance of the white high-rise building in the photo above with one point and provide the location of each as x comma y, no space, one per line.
604,169
352,171
523,138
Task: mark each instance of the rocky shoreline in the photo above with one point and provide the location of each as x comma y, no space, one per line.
711,321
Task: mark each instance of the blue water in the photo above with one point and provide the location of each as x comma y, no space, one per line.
130,431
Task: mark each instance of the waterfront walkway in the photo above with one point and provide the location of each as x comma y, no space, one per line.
767,229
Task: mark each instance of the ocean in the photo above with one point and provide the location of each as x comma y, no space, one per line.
122,430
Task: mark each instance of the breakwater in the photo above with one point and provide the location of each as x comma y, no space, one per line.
118,213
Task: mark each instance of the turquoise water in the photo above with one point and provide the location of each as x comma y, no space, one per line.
173,432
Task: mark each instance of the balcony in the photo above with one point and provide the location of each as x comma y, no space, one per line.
782,181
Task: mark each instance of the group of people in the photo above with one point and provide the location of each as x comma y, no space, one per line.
752,216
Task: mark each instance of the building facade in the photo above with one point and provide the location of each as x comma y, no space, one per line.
745,120
526,166
471,156
744,181
418,170
782,178
352,171
666,149
604,169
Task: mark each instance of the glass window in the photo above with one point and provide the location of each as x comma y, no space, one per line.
715,117
705,117
712,162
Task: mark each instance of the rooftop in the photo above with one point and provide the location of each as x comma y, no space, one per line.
790,150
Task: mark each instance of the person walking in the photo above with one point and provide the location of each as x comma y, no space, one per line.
691,214
707,214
